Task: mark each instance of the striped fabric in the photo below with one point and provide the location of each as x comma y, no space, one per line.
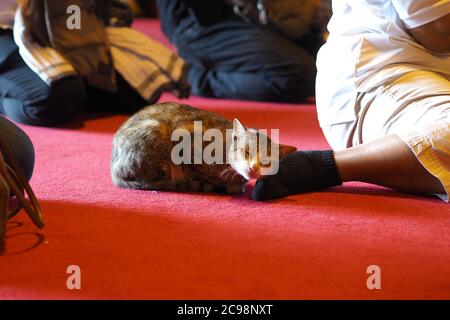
145,64
46,62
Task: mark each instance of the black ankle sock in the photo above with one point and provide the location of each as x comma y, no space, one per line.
299,172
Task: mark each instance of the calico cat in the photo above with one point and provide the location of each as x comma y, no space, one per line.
143,149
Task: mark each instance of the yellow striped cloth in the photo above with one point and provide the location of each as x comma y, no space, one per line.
147,65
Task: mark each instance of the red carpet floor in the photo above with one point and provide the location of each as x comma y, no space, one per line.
137,244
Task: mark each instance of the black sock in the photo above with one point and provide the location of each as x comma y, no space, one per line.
299,172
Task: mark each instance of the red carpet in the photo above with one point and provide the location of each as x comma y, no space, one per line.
137,244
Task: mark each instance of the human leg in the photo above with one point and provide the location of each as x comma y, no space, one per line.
407,122
237,60
401,140
53,105
230,58
26,98
389,162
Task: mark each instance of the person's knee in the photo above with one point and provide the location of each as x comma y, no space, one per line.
282,86
62,100
19,144
70,92
295,84
290,89
66,98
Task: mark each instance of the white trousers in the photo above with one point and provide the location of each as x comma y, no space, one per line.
416,107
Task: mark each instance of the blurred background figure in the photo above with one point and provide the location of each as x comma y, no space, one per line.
48,74
247,49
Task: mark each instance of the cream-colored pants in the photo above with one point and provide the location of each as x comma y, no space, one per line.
416,107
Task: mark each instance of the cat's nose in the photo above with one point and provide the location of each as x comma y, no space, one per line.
254,168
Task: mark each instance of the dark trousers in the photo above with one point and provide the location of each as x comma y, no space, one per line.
230,58
27,99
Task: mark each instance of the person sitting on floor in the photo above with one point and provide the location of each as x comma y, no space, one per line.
48,73
383,100
231,58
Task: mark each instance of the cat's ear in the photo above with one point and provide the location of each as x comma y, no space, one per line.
238,128
284,150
